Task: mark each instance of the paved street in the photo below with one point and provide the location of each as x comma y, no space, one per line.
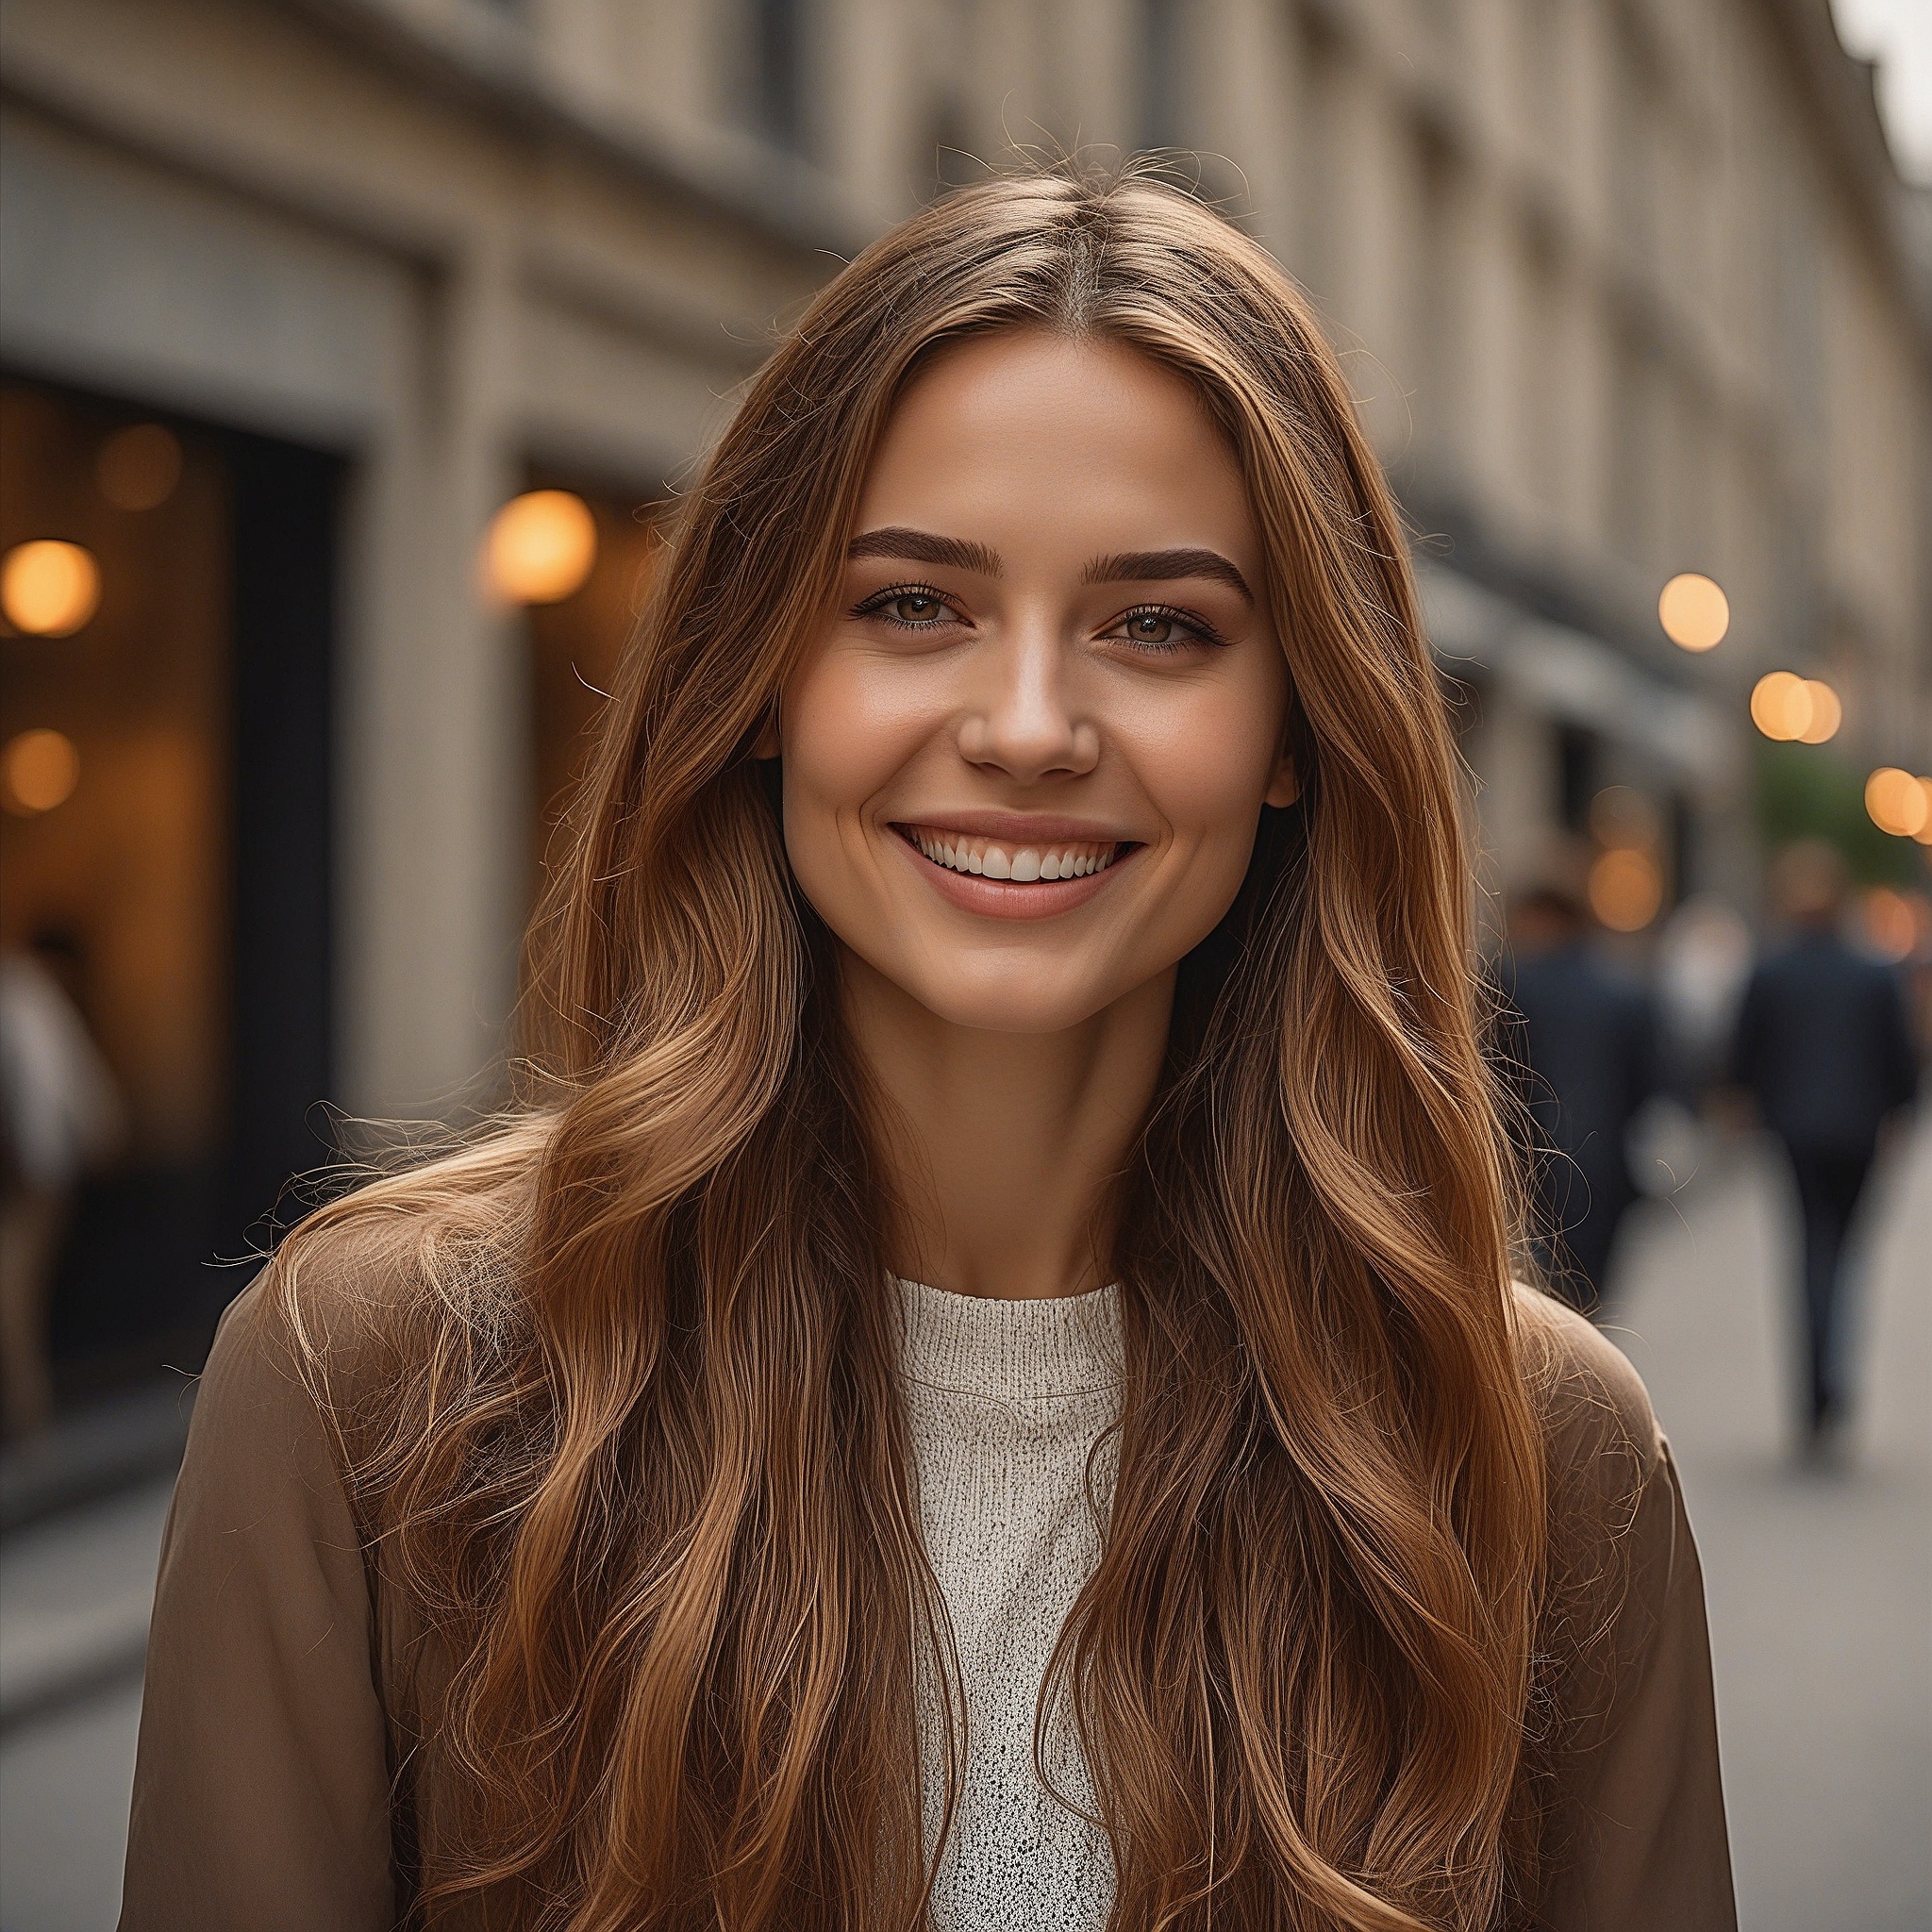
1820,1587
1819,1582
74,1597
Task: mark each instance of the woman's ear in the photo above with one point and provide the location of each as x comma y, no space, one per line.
1286,785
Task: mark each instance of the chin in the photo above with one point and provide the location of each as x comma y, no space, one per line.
1018,997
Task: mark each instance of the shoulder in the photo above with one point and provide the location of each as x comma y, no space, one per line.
1619,1555
357,1298
1587,1393
1603,1446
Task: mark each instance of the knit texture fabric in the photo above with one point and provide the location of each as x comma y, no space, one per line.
1006,1400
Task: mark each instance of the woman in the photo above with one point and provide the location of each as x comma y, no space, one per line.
980,1385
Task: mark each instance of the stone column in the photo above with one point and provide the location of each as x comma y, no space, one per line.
434,807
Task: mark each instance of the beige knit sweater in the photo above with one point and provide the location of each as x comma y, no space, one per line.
1006,1400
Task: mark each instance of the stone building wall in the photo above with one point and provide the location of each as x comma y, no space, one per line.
1622,285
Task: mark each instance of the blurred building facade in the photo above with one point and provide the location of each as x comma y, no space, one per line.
1627,288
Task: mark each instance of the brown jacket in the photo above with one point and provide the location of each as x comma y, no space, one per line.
277,1787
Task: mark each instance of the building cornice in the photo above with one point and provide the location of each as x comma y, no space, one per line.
493,65
1840,89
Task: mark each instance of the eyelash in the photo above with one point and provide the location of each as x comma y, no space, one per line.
1197,627
878,604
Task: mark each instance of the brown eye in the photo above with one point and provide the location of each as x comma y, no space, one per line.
1150,628
916,606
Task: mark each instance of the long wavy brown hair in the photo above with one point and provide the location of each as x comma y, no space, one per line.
638,1458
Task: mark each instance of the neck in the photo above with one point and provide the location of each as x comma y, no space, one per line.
1001,1148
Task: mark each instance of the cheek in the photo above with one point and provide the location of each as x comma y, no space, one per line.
843,737
1207,765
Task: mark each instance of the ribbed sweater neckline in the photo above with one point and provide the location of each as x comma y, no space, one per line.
1016,1351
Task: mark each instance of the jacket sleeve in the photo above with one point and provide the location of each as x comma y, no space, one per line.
261,1788
1640,1838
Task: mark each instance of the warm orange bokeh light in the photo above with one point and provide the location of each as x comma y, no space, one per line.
541,547
1898,802
1923,835
1827,713
1891,922
139,468
1780,707
49,589
1694,612
39,770
1626,888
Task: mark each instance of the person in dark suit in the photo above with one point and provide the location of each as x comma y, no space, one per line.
1824,1046
1581,1040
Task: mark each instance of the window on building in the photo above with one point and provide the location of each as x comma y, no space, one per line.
1544,430
776,44
1578,763
1164,77
950,160
1634,480
1634,141
1436,309
1323,180
1537,48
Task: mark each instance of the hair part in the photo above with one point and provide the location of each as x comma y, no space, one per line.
639,1456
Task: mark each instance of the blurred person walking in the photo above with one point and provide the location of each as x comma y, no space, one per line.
60,1113
1581,1040
1703,962
1824,1046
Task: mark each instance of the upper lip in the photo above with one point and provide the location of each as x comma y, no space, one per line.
1018,828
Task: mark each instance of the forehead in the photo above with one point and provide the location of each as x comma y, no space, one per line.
1027,433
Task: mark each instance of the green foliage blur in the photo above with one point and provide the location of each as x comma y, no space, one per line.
1810,791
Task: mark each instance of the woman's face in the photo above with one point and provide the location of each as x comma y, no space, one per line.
1024,763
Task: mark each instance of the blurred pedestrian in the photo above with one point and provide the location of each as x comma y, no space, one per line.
59,1114
1824,1046
1582,1043
1703,962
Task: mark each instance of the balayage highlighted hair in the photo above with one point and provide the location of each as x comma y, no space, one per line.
639,1455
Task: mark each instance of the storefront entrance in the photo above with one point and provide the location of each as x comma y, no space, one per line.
165,843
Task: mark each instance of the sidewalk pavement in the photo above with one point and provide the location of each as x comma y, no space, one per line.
1818,1580
75,1590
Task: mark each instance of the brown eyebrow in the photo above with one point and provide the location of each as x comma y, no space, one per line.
922,546
1148,566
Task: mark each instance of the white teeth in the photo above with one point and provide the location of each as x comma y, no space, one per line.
1023,864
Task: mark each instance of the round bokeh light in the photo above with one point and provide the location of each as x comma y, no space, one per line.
39,770
541,547
49,589
1694,611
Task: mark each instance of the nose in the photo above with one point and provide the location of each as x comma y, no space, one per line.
1020,719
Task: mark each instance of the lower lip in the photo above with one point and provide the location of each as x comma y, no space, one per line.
1004,899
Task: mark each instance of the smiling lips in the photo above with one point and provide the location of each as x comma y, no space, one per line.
1005,858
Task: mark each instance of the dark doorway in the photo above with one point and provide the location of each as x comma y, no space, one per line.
286,511
178,888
